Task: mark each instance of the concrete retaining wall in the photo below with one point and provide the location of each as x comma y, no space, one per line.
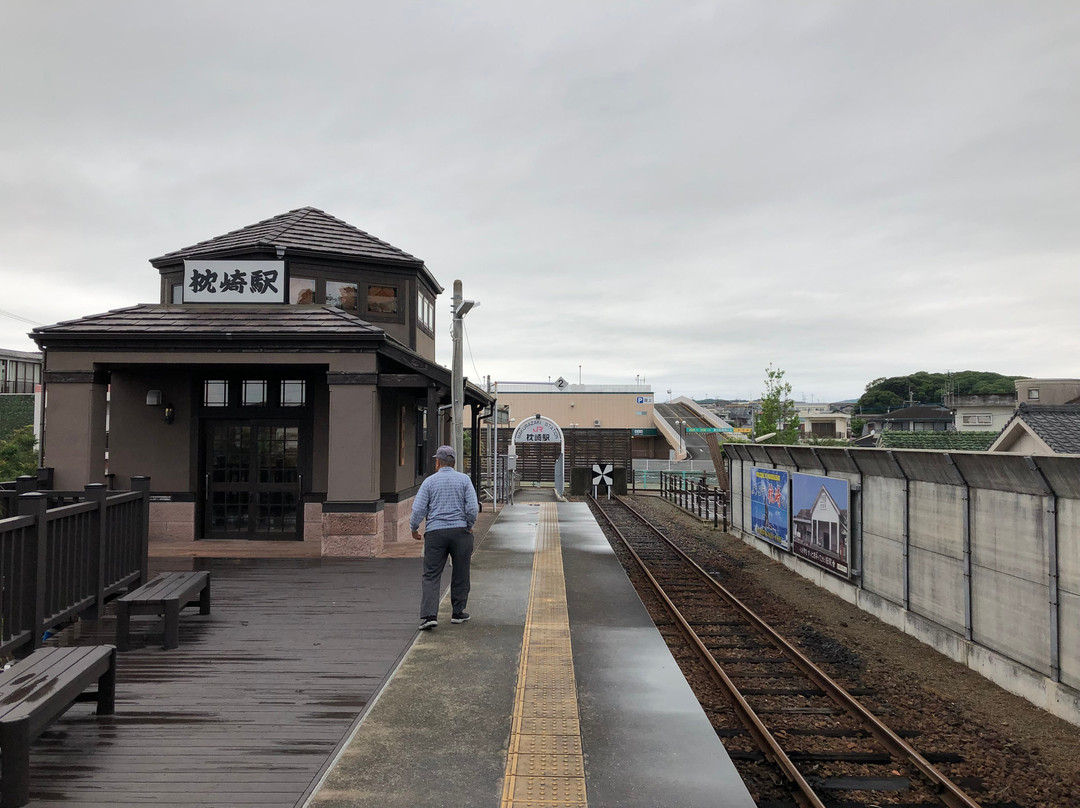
976,554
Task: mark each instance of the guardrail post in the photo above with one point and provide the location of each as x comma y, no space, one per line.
34,504
142,483
96,493
25,484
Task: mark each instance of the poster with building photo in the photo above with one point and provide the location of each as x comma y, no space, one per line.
769,506
820,519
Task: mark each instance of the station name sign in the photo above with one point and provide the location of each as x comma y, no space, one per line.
538,430
234,282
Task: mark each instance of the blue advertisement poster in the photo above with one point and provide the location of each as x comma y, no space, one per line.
769,506
820,514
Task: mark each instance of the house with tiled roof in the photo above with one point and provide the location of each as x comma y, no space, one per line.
1041,429
986,412
284,388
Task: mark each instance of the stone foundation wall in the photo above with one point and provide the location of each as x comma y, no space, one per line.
172,522
396,521
352,535
313,531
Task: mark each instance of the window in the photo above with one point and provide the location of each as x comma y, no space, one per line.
269,393
301,290
1033,394
978,419
425,312
293,393
215,393
254,393
342,295
380,299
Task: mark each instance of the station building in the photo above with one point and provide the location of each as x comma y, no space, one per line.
283,389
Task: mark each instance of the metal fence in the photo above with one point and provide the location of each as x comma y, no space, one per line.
65,552
696,496
647,472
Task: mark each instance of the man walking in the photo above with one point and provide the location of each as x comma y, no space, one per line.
447,500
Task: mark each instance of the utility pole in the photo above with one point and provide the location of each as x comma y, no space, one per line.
457,394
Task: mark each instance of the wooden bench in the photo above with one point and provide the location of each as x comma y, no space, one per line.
165,595
37,691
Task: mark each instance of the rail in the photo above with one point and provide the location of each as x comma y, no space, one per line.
942,787
64,552
696,496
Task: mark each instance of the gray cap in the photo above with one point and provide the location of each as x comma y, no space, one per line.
445,453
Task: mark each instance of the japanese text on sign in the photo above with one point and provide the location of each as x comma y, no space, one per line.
538,430
234,281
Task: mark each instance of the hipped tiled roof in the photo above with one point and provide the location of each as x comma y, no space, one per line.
304,229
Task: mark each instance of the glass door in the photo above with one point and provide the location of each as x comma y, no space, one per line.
253,480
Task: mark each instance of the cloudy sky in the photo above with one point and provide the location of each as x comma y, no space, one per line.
681,191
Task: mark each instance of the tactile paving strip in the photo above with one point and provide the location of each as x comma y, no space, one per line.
544,766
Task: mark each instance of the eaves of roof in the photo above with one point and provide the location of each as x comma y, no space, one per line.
184,327
400,353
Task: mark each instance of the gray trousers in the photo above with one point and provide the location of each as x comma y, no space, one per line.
457,544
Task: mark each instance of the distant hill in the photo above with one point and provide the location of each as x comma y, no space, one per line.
931,388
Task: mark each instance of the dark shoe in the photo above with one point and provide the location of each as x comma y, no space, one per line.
428,622
460,617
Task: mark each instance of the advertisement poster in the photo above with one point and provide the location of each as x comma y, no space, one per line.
820,523
769,506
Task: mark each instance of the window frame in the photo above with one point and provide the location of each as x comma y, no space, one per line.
425,312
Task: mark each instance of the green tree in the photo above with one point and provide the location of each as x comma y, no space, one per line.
931,388
857,425
778,413
18,454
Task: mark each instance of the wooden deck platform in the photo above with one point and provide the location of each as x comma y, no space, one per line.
251,706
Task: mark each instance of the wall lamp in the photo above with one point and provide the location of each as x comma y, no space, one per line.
155,399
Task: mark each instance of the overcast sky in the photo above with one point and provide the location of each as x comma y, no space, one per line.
685,192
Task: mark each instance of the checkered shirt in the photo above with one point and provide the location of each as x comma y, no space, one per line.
446,499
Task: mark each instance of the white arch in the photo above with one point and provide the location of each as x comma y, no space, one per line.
539,430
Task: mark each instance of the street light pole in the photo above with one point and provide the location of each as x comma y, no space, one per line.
457,394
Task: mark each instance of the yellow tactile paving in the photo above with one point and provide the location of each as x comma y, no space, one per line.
544,766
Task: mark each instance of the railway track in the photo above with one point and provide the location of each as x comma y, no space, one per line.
813,741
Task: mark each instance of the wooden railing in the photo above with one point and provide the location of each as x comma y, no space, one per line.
64,553
695,496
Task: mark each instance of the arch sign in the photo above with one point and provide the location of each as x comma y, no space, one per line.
543,430
538,430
